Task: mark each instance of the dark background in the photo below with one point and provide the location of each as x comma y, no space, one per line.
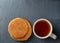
30,10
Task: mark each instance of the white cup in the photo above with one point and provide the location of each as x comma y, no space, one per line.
50,34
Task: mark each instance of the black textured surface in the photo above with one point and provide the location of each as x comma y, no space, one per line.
30,10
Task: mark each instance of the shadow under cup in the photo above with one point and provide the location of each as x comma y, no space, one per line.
42,28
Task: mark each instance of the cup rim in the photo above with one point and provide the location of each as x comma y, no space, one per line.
49,32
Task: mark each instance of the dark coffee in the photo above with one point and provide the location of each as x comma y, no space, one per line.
42,28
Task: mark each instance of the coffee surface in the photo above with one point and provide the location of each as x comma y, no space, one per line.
42,28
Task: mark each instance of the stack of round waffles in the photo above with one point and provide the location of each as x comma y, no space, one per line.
19,29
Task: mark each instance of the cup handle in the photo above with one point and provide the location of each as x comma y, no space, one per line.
53,36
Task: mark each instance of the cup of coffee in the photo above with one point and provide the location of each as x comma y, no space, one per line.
42,28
